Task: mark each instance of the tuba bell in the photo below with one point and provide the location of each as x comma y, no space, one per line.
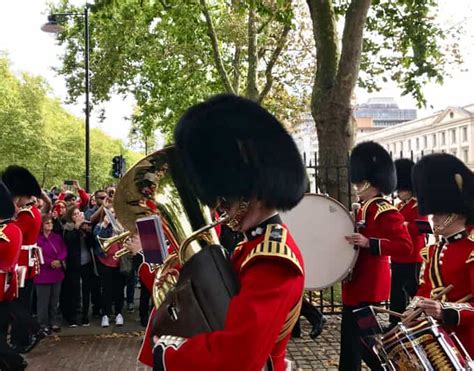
193,287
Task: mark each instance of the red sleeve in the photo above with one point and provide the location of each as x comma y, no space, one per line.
461,314
396,240
61,196
84,198
255,317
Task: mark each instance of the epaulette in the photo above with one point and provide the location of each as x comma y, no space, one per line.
425,254
415,204
3,236
471,236
366,205
274,244
383,206
28,209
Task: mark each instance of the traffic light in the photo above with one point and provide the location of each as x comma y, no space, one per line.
118,166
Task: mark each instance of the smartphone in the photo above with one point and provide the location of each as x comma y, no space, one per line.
424,226
69,182
152,239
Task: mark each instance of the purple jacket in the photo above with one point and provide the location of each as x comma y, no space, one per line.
53,249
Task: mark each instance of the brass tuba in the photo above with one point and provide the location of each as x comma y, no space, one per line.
157,185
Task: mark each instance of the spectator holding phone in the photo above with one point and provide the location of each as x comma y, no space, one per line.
48,282
80,266
59,216
70,198
112,280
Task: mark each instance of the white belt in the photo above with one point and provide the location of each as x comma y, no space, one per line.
29,247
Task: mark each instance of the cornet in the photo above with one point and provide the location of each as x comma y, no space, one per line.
121,234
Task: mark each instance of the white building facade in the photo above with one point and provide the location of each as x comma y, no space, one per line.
450,131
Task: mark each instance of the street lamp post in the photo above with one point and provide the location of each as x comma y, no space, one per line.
53,26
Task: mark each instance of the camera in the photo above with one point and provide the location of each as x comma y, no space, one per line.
69,182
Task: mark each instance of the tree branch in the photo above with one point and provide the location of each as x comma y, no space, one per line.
215,49
326,41
236,71
349,64
252,91
273,58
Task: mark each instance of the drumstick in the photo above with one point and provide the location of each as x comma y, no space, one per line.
418,311
391,312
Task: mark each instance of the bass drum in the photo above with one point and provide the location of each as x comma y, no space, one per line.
318,225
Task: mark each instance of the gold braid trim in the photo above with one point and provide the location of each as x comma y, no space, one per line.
470,259
384,206
3,236
290,320
273,244
366,205
425,254
27,209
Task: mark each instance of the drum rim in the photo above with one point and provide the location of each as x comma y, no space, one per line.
356,254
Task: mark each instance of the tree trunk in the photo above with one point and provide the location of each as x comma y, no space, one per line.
335,78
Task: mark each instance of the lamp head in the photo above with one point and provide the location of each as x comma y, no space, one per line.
52,26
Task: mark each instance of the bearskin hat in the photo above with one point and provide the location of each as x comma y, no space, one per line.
20,181
371,162
404,167
7,208
444,184
232,147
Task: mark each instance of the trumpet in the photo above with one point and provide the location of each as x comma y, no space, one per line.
121,234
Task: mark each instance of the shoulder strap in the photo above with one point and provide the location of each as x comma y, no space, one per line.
28,209
3,236
366,206
273,245
383,206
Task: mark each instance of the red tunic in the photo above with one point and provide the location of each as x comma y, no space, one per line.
409,210
29,221
10,243
452,264
381,222
271,284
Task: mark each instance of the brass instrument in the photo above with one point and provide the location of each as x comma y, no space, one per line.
157,185
121,235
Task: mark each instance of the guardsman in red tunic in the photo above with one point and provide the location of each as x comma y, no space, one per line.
25,332
445,188
240,157
10,243
381,233
406,269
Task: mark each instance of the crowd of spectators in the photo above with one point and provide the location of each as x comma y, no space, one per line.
78,278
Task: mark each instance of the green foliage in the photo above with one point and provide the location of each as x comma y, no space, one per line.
160,52
39,134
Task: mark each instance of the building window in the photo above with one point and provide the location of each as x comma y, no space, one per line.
434,140
465,155
453,136
464,134
443,138
409,144
417,143
425,142
401,147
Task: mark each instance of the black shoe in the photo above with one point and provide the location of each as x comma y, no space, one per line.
317,328
12,362
47,331
35,339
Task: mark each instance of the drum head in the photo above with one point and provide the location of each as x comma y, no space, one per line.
318,225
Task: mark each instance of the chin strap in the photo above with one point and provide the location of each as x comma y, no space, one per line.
446,223
242,210
360,191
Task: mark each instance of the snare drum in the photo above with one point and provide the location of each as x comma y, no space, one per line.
424,345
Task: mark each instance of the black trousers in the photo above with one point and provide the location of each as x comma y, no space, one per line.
9,360
405,279
144,306
311,313
23,323
352,349
113,284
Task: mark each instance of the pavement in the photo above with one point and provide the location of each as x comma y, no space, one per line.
116,348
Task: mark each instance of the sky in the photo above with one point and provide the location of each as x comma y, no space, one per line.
31,50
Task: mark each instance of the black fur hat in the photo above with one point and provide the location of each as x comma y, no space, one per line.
404,167
7,208
371,162
444,184
232,147
20,181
